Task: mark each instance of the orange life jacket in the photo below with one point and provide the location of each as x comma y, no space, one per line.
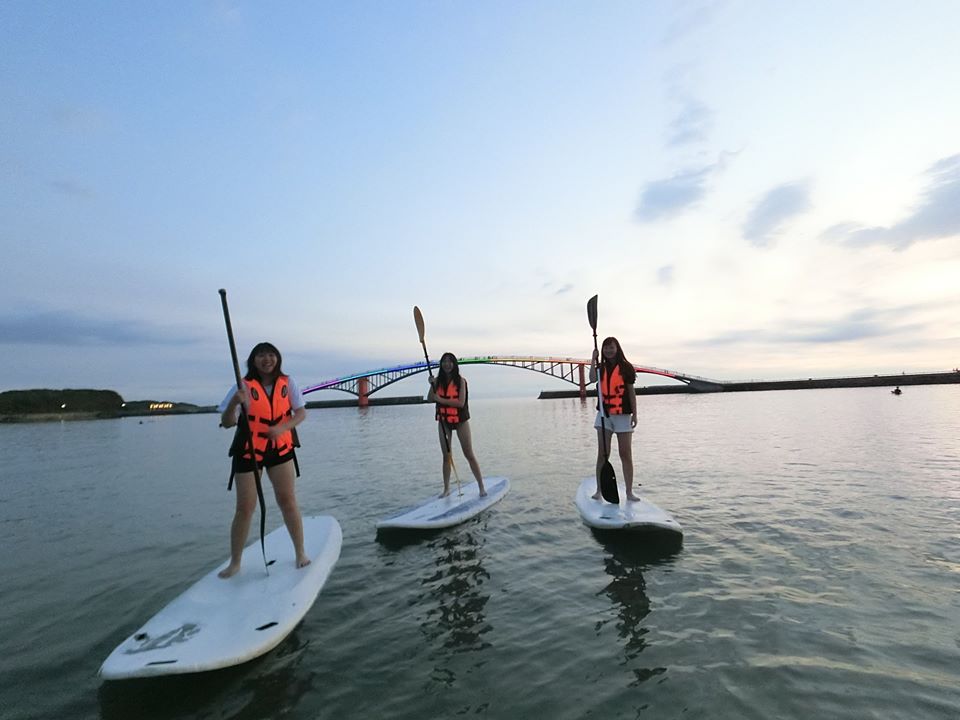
264,412
613,390
447,413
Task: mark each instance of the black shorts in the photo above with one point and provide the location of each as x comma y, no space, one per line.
271,459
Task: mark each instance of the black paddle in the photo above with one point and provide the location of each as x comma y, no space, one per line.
608,479
244,424
418,319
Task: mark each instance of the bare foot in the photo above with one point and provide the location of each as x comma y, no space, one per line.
303,561
483,493
634,498
229,571
444,493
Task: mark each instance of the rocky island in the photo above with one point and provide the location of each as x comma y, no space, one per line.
44,404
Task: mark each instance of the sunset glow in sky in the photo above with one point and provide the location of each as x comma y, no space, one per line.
754,189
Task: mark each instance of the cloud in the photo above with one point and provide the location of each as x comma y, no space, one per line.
689,18
857,325
68,187
227,12
79,119
668,197
555,287
665,276
936,216
774,209
71,329
691,124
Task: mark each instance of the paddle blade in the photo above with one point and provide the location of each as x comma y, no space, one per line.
608,484
418,319
592,312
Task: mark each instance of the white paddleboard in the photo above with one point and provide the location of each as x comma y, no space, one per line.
217,623
633,516
438,512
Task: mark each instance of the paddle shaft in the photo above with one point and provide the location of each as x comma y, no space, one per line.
603,408
606,478
418,319
245,428
592,318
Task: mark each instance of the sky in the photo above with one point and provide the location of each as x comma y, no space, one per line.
753,189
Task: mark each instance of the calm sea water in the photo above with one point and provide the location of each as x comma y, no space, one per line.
819,574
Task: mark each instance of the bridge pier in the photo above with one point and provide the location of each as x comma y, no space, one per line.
583,384
363,391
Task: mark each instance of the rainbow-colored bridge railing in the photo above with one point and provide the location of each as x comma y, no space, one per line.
571,370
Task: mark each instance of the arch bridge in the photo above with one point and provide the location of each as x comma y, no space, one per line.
571,370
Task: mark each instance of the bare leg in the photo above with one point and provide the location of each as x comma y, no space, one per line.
445,443
602,457
283,478
246,490
466,444
625,446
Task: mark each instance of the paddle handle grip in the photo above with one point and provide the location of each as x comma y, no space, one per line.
233,345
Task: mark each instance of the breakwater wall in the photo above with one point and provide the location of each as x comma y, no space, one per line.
901,380
353,402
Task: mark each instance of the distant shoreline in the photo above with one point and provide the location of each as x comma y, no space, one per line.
145,408
75,415
48,417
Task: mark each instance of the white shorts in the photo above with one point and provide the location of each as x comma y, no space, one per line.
615,423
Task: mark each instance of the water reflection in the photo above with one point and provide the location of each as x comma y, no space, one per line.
394,539
456,589
628,555
452,597
264,687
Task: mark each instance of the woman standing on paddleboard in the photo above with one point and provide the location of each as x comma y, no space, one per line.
274,407
619,412
449,391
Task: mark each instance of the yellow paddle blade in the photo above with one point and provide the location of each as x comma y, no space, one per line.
418,319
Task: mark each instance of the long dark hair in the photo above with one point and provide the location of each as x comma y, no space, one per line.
252,372
626,367
442,378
